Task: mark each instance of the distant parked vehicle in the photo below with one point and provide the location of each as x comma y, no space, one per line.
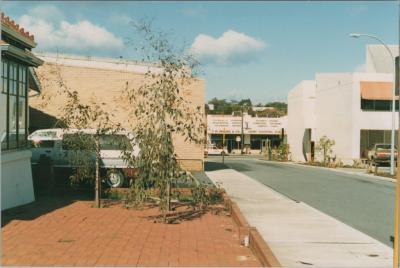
212,149
380,154
52,143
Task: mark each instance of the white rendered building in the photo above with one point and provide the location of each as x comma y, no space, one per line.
353,109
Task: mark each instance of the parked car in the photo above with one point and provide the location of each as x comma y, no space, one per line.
380,154
53,143
212,149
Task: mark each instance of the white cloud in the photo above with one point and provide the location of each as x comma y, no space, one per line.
62,34
231,47
47,13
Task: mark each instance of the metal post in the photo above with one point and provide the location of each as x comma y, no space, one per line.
242,140
396,207
393,118
223,147
396,214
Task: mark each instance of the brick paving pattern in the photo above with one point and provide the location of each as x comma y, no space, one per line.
75,234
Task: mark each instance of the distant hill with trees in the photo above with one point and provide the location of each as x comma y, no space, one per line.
229,107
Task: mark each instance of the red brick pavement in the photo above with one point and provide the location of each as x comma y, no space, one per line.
78,235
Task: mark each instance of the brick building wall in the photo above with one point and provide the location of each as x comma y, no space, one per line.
105,85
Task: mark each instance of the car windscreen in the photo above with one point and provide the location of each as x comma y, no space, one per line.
78,142
115,142
44,135
41,144
384,147
83,141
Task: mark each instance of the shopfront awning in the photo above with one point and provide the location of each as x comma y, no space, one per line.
376,90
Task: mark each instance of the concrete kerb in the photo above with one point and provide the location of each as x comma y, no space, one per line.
249,236
332,169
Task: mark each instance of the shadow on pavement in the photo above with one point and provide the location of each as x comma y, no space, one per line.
202,178
44,204
213,166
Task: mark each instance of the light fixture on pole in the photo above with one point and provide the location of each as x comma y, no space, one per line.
396,220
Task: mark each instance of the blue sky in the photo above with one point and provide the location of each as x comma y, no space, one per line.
257,50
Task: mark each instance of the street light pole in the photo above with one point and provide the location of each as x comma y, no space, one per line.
242,138
396,212
357,35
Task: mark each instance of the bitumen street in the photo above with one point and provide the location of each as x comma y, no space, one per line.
311,215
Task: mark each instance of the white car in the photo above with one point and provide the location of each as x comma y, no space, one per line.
52,144
212,149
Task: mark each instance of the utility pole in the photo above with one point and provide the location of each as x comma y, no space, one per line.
396,207
223,147
242,139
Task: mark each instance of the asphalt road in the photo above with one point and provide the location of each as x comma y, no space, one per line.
366,204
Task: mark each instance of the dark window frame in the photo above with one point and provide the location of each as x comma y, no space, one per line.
20,143
377,105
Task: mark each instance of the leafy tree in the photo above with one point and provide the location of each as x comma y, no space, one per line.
160,112
271,113
278,105
222,106
324,146
282,152
245,102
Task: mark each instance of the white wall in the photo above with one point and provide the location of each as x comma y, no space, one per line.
339,114
301,115
378,59
16,179
331,106
334,107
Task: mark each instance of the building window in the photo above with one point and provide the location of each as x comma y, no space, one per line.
370,137
14,81
378,105
4,77
22,105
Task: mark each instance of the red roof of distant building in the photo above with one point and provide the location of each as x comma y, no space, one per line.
12,24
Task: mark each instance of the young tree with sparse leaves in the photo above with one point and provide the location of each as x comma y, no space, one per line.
83,147
161,112
324,146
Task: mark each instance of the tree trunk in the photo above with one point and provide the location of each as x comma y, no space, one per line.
98,182
167,204
168,196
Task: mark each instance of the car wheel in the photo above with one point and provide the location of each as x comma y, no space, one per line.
115,179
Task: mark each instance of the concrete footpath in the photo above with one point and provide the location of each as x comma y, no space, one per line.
298,234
